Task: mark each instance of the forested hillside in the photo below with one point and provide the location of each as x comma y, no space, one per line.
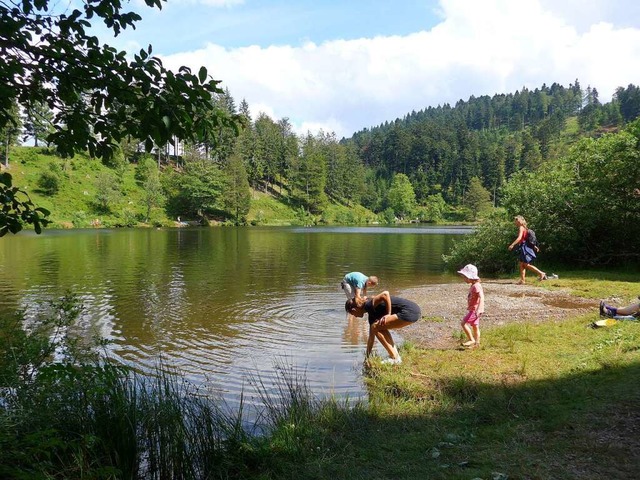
437,163
441,149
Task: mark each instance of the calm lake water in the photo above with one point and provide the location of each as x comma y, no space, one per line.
224,305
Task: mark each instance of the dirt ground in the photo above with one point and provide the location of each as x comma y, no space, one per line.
444,305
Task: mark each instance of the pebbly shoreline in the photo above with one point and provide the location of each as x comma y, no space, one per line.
444,305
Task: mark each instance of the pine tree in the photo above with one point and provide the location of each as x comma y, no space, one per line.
310,175
237,195
38,121
10,133
477,198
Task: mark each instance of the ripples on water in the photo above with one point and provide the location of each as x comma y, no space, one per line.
222,306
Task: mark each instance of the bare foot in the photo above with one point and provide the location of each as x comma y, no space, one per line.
521,282
469,343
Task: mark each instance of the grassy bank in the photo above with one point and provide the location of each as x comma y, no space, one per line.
552,400
76,204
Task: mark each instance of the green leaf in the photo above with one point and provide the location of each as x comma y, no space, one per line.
43,211
26,6
6,179
202,74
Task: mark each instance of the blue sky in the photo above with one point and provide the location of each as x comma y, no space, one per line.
277,22
343,66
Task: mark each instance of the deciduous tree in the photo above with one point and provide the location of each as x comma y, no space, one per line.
477,198
99,96
402,198
153,195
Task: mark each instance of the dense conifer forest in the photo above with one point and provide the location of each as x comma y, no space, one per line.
436,163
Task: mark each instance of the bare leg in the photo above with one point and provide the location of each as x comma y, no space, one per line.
476,332
385,338
466,328
391,322
536,270
523,273
629,309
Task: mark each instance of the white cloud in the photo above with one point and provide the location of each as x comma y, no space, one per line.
479,48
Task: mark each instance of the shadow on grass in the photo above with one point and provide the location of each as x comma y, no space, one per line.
580,426
583,426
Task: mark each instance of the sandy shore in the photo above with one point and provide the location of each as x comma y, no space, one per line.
444,305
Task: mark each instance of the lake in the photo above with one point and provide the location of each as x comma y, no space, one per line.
224,305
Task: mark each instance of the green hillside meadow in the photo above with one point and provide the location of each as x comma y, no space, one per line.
75,203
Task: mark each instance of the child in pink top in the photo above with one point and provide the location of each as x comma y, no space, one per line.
475,306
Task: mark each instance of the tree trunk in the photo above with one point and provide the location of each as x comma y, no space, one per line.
6,153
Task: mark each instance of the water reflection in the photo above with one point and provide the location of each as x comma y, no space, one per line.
356,331
223,303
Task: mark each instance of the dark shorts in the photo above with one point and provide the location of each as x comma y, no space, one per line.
405,310
410,313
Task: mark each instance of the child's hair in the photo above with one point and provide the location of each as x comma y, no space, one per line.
373,279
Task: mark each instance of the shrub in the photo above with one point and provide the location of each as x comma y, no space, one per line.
145,168
107,191
486,247
388,216
80,219
127,218
49,182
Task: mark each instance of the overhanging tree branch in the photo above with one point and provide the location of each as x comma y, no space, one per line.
98,95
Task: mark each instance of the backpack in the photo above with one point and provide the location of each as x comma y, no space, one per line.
532,240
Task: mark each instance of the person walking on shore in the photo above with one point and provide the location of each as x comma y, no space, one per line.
475,306
385,312
526,252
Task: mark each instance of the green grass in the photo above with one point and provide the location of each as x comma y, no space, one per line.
74,204
620,285
536,401
267,210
